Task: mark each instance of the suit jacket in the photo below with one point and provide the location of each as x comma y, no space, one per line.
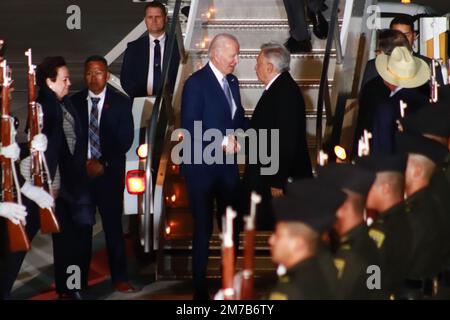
116,137
282,107
444,93
371,95
116,131
135,66
58,153
204,100
386,114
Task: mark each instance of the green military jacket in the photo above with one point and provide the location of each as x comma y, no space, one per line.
428,229
305,281
392,234
355,253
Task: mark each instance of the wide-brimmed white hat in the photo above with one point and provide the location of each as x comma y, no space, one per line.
402,69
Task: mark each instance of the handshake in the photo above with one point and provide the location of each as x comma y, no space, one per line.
230,145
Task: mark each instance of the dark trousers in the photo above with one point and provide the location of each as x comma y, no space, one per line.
106,194
202,191
70,248
66,248
265,218
295,10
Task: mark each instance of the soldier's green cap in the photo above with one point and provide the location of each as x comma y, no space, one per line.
347,176
311,202
434,118
383,162
408,142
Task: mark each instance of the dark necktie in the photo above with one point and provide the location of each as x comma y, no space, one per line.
227,90
94,134
156,67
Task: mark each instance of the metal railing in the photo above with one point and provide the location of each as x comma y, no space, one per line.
324,90
347,75
161,118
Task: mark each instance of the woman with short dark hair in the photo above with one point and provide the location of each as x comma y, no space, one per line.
61,127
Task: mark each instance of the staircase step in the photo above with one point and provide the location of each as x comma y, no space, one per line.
180,267
257,9
252,34
249,24
251,91
305,67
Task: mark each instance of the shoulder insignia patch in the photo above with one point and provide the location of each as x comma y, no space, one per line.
278,296
340,266
377,236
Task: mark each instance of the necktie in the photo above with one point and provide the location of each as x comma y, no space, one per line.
156,67
94,134
226,89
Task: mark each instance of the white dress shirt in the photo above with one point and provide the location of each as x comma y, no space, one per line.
162,41
99,107
272,81
393,93
220,77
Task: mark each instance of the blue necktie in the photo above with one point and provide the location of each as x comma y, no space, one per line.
227,90
156,67
94,134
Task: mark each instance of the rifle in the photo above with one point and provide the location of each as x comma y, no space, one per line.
364,145
2,48
323,158
48,221
18,240
433,83
403,107
246,291
448,72
228,262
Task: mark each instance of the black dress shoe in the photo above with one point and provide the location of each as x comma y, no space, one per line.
71,295
295,46
320,25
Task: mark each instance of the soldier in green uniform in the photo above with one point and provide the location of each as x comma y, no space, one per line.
391,230
432,121
303,214
425,215
356,252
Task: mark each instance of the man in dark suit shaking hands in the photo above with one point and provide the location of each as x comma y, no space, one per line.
282,108
107,126
141,73
211,99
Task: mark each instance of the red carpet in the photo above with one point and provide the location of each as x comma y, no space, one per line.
98,273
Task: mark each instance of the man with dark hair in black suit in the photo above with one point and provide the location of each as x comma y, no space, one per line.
282,108
107,127
141,73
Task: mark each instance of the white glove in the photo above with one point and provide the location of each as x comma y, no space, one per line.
39,142
11,152
38,195
13,211
219,295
